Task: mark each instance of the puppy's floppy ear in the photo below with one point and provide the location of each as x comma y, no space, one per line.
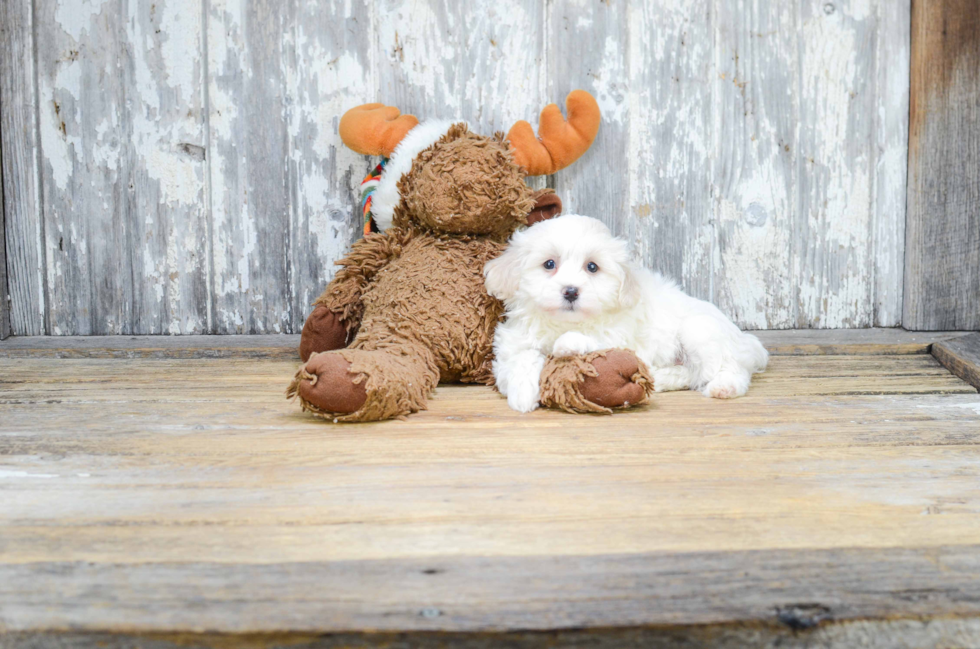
502,275
630,288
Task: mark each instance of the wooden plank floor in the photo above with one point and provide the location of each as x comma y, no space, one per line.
174,495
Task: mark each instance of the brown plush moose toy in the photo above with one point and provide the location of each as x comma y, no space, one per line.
408,308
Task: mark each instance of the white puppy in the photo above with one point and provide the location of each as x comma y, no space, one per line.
569,288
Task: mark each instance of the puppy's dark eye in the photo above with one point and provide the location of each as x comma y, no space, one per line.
592,268
549,265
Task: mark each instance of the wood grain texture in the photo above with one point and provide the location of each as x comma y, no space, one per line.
501,594
892,56
188,494
754,151
502,72
961,356
790,117
755,179
20,172
873,634
283,347
837,154
588,49
331,61
420,42
4,291
852,341
284,188
122,128
249,172
942,262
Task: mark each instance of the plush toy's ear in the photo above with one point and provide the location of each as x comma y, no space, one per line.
503,274
547,205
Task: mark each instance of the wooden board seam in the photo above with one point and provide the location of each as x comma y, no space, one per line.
942,250
477,594
803,342
4,282
961,357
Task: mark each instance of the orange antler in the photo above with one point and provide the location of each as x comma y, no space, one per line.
561,143
375,129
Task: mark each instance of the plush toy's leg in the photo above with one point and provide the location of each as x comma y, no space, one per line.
596,382
322,332
366,385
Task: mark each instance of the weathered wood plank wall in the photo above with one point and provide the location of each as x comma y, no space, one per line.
176,167
4,293
942,267
21,178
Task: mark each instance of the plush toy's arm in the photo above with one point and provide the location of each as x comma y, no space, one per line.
367,257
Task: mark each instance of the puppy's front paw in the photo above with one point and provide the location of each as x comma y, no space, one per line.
523,399
573,343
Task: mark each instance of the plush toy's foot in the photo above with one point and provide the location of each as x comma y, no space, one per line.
596,382
323,332
326,386
621,380
366,385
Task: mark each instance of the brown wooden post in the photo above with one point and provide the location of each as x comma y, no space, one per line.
942,246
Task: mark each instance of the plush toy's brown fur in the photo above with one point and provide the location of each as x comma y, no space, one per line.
411,301
596,382
414,294
466,184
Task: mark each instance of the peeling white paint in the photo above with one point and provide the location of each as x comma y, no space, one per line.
892,138
752,254
838,207
759,149
180,180
74,16
501,66
181,30
153,273
58,121
418,42
610,88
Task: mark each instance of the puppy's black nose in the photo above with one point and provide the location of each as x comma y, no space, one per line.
570,293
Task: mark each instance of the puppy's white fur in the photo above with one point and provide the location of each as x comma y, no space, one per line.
686,342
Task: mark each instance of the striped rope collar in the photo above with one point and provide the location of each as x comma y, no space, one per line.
368,185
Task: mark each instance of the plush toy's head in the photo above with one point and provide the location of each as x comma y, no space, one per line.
464,184
442,177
